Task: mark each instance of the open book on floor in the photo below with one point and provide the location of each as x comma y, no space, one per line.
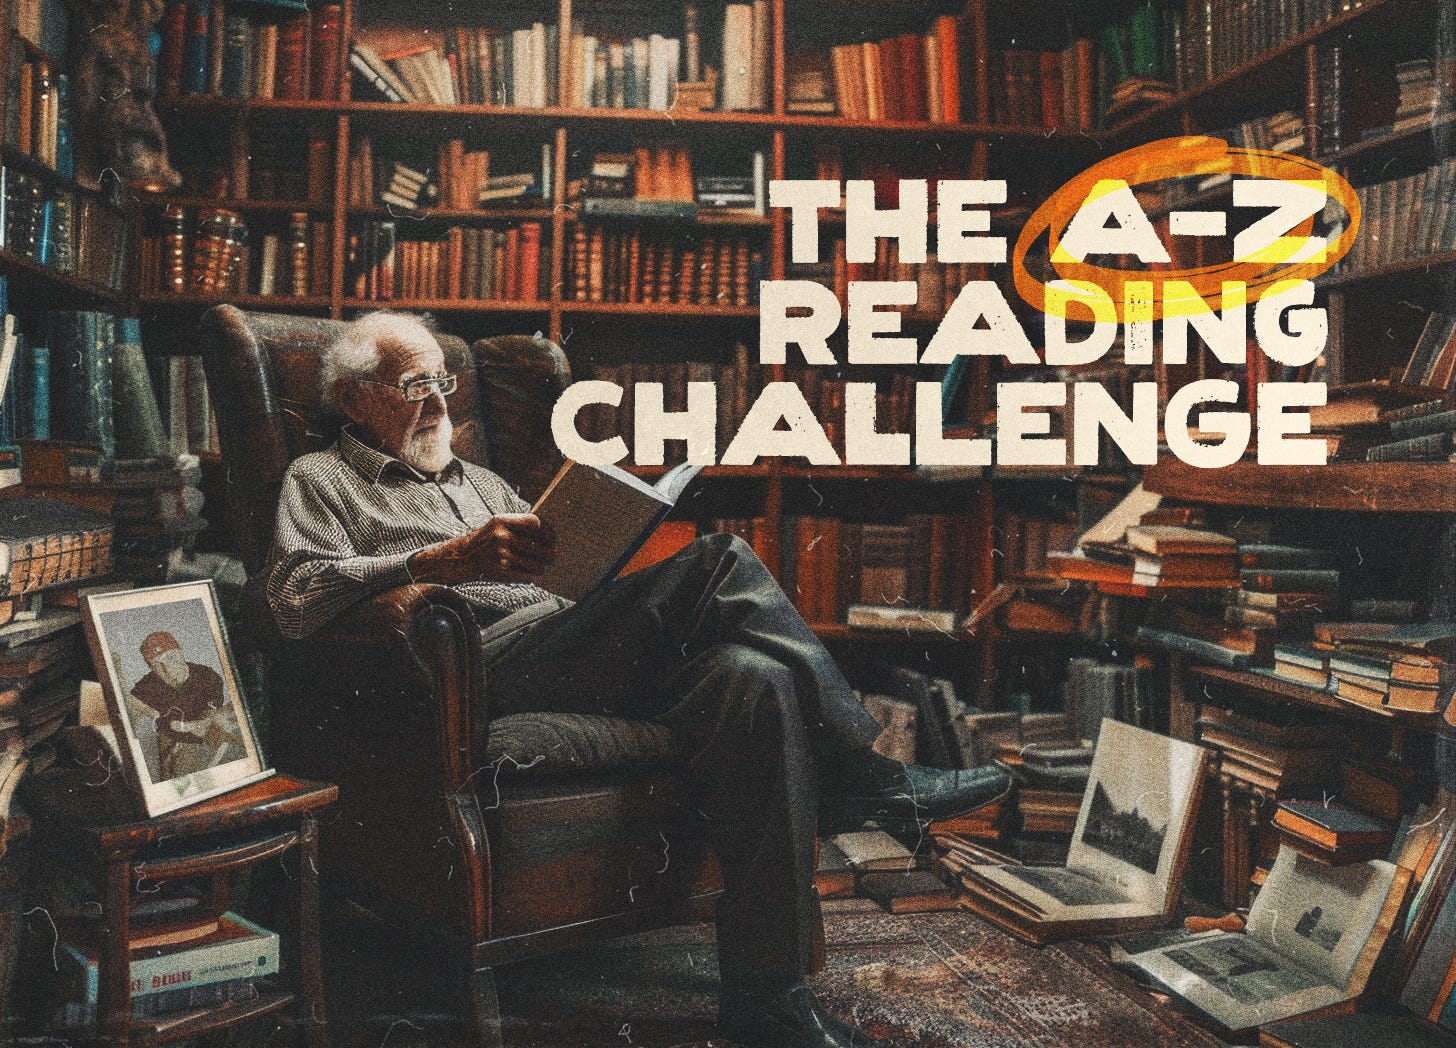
601,516
1311,940
1128,851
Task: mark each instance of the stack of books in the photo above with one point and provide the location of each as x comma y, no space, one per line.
1278,757
409,188
1424,435
179,964
1389,666
1333,832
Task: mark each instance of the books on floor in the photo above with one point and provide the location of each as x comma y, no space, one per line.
866,850
1311,941
1128,850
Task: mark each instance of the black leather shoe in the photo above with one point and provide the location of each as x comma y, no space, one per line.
891,792
793,1019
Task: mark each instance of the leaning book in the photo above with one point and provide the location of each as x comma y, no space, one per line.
1311,940
601,516
1129,846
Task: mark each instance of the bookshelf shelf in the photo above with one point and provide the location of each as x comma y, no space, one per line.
274,303
60,286
1405,267
657,309
195,1024
282,206
445,214
450,305
1272,688
1394,139
1375,487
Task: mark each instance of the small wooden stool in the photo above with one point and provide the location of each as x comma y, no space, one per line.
101,827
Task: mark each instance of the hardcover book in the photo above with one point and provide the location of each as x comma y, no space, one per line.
1312,938
601,516
1128,849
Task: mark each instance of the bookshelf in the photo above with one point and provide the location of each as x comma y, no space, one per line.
1247,77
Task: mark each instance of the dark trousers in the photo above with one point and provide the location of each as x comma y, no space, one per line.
707,644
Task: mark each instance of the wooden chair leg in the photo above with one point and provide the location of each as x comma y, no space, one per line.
484,1005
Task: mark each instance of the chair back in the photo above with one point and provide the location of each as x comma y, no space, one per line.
263,374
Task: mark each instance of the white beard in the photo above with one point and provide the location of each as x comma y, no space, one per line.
429,452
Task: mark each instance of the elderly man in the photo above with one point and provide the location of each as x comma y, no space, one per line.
705,643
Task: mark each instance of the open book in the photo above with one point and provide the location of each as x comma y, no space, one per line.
1128,850
1312,938
601,516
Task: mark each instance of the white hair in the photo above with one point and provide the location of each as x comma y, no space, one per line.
355,353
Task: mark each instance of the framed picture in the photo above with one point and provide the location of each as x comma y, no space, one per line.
172,693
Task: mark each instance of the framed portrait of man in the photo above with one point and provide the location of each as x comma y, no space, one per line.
172,693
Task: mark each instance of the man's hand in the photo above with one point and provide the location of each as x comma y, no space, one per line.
510,547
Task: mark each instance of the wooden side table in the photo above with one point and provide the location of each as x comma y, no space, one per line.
100,826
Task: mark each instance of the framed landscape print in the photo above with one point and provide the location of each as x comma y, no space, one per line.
172,693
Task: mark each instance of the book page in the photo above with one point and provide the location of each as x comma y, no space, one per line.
1135,811
1319,915
600,515
1238,980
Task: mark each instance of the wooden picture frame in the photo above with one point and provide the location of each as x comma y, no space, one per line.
165,665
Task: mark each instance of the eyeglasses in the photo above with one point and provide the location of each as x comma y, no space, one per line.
417,389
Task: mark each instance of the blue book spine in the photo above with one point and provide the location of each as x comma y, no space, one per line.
194,49
40,393
65,148
43,234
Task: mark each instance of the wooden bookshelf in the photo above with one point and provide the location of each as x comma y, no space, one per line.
1365,487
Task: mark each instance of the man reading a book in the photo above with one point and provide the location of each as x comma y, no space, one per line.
705,643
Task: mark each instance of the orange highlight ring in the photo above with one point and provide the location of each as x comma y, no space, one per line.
1180,158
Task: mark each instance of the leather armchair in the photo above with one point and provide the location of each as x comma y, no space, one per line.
448,847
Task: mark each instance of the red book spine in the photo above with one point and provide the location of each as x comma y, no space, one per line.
289,79
530,261
173,30
513,264
950,80
912,77
323,78
892,79
1051,88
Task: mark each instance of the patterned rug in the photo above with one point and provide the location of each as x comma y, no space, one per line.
942,980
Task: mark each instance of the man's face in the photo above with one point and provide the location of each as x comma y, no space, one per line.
171,666
415,432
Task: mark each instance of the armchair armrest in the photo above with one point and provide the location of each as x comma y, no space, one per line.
381,702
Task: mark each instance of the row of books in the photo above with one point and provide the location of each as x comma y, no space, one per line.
519,67
71,232
1221,35
1051,89
213,250
1382,666
464,262
38,118
605,264
910,77
207,49
1403,218
920,568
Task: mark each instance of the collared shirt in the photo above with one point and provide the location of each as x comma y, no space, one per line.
350,517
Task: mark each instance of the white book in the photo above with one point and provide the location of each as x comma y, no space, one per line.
760,184
1310,942
588,73
737,56
1129,846
268,265
239,949
538,65
674,64
657,84
521,67
601,515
